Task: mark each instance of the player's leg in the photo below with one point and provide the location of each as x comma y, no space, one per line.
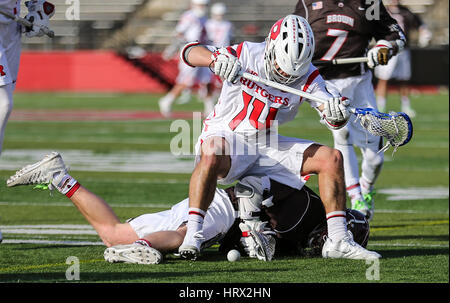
165,103
327,163
101,216
372,161
371,167
404,75
381,92
215,162
6,105
405,100
384,73
185,79
52,171
344,143
10,48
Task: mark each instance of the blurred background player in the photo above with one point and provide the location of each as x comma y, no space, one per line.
39,12
342,30
190,27
399,66
220,33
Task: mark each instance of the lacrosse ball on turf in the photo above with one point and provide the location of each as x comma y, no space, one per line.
233,255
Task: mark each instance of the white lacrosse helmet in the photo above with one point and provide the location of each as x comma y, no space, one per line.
200,2
218,9
290,47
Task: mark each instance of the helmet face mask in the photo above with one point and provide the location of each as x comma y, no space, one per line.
289,50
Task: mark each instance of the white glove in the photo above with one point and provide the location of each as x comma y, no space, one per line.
226,64
335,112
379,54
39,13
257,240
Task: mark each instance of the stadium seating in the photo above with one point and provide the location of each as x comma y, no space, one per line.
117,24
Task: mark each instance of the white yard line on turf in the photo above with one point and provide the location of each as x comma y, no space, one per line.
407,245
86,160
69,204
20,241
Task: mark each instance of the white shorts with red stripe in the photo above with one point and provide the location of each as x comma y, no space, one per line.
279,157
218,219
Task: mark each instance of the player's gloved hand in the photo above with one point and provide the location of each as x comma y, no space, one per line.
39,13
335,112
226,64
379,54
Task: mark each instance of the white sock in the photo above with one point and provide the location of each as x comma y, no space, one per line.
168,99
381,103
406,103
337,225
366,186
195,222
354,192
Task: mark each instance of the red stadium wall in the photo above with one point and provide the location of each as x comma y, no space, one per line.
82,71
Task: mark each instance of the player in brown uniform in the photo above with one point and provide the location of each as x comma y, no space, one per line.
399,67
344,29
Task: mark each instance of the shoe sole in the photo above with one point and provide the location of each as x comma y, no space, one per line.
189,253
29,170
134,255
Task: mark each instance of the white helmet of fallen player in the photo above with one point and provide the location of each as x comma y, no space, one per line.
289,49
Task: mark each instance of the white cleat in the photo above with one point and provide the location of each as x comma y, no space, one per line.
41,172
132,253
165,108
189,252
346,248
191,247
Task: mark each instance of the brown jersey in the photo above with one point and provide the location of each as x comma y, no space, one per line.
344,29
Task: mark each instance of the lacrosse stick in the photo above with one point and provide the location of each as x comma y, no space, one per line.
341,61
396,128
27,23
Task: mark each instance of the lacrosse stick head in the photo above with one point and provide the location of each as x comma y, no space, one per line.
395,127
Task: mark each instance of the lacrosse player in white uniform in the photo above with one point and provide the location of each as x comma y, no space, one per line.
139,240
190,27
220,33
234,140
39,13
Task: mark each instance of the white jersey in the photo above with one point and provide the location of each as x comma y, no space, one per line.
219,32
218,219
247,107
191,27
10,6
